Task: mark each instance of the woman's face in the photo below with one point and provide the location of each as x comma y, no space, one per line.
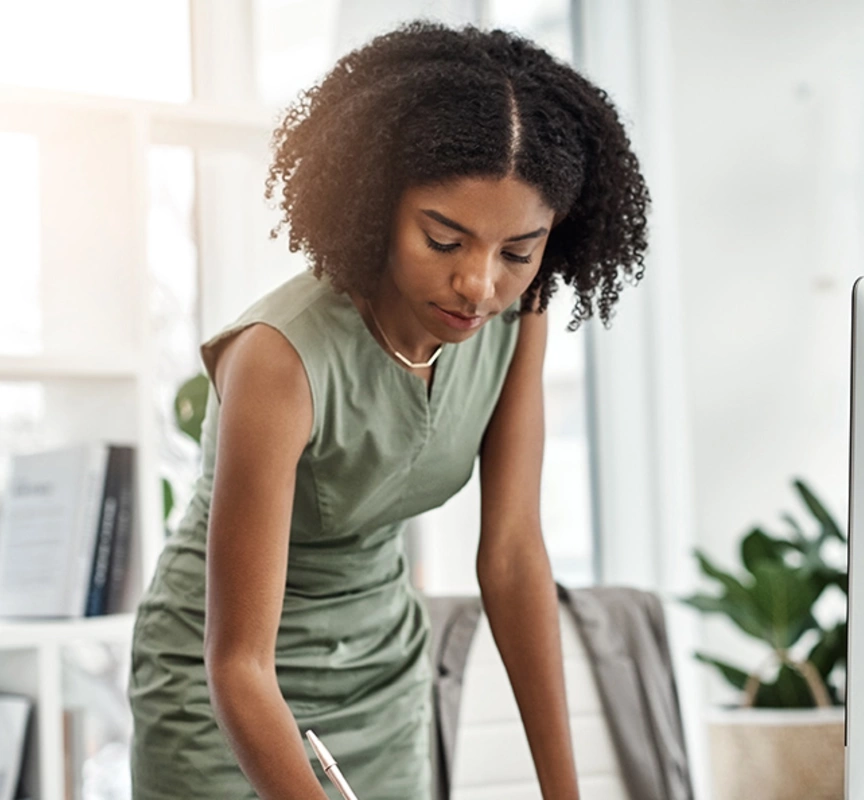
463,251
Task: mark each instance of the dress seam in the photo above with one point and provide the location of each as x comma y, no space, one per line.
319,505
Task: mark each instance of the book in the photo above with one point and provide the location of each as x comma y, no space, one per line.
14,716
64,513
111,551
119,566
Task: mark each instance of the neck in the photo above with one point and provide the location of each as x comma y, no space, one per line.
400,356
396,327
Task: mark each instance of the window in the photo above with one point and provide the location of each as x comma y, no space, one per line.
20,309
138,48
296,45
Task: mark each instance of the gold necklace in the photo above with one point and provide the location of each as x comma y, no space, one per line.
407,362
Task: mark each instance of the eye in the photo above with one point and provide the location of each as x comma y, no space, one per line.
439,246
519,259
449,248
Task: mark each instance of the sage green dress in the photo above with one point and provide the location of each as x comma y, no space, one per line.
352,649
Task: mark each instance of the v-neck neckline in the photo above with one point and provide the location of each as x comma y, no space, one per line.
429,393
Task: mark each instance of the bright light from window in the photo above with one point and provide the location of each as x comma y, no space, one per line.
125,49
20,309
296,43
545,21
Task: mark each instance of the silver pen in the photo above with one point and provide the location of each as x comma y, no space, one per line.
330,768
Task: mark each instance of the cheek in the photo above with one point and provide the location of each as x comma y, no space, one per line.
519,283
412,262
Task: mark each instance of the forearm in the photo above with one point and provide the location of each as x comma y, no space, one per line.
263,733
521,603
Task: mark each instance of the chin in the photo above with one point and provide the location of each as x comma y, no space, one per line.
455,337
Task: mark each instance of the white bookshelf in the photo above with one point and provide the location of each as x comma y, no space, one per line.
54,367
98,362
55,633
31,663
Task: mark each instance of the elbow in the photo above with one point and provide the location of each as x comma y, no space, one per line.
495,569
232,675
222,675
216,661
498,568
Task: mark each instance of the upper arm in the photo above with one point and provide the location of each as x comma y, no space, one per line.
265,421
511,455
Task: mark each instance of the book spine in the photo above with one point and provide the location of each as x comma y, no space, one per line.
97,592
119,564
94,483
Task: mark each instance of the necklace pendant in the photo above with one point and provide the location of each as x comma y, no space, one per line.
419,364
406,361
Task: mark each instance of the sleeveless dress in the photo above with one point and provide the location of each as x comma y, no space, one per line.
352,654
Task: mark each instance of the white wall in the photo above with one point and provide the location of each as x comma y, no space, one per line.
770,189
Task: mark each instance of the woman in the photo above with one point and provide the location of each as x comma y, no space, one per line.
441,183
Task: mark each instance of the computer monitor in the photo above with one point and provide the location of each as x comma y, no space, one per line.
855,654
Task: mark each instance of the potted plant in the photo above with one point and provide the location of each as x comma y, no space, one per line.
785,738
190,403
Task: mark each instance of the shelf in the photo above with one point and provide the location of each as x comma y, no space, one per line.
52,367
16,634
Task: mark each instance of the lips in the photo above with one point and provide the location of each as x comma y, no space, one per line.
456,320
466,317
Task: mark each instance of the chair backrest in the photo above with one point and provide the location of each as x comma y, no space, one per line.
492,758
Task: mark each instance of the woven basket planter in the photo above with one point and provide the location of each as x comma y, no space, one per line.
777,754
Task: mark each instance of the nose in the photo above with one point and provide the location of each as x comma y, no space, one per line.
474,280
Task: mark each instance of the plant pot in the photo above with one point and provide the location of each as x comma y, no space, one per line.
777,754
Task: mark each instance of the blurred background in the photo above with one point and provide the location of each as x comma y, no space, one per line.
133,150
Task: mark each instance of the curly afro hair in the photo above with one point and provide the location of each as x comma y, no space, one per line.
427,103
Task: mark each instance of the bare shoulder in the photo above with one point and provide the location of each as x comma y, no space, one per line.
260,359
264,394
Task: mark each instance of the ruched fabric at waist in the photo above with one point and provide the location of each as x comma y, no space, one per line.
335,645
319,565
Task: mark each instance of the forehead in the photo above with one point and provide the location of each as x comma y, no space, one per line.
489,206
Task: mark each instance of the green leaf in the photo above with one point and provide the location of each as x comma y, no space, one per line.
827,576
740,613
738,602
796,527
190,405
788,690
733,586
737,677
784,597
757,547
829,525
167,498
706,603
829,650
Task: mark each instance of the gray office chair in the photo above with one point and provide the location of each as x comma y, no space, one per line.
621,697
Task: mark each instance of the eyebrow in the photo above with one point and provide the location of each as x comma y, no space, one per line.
462,229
